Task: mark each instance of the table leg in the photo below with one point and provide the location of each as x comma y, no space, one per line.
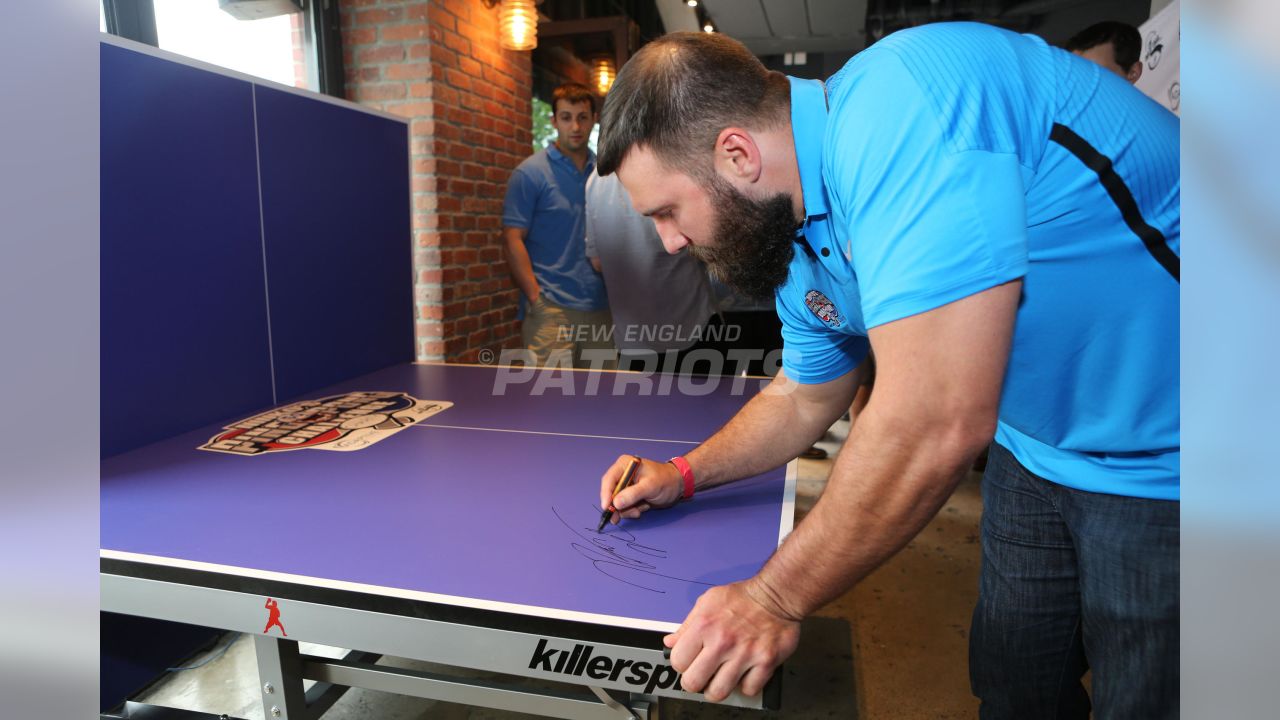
280,678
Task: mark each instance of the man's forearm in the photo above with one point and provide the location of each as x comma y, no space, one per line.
934,407
891,478
778,423
519,264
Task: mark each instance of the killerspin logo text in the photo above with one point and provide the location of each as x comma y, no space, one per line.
582,661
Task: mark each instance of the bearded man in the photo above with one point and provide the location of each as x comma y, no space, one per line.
1001,219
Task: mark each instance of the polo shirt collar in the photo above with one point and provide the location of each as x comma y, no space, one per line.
553,152
808,127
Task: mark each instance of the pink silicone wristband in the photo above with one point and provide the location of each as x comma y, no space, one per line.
686,472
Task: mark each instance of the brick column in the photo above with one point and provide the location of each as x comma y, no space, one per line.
299,51
438,63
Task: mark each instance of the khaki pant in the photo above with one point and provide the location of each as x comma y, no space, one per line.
557,335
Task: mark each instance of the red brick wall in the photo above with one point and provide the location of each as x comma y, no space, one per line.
438,63
299,50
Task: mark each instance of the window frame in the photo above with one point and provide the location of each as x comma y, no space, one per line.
132,19
321,37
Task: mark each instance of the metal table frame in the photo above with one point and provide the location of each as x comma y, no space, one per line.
618,672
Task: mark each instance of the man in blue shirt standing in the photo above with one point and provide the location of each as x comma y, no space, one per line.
562,301
1001,219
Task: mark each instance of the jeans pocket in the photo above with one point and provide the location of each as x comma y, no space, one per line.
1019,507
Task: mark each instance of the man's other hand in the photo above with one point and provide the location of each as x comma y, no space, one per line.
731,639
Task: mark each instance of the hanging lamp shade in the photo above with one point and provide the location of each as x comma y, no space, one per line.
603,73
518,25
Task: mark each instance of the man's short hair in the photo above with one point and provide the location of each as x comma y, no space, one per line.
1125,38
572,94
679,91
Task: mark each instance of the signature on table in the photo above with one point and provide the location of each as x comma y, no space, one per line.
621,556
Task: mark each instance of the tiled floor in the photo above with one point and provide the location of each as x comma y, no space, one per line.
893,647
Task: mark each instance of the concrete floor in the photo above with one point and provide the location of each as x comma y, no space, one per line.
895,646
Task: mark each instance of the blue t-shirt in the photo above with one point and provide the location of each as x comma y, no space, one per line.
547,197
951,158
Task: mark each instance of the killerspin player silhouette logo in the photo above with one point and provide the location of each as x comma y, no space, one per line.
346,422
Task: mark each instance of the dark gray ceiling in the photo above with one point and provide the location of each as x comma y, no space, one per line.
772,27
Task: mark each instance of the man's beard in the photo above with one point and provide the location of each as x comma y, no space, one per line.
753,241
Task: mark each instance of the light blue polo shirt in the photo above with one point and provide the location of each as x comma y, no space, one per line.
546,196
954,157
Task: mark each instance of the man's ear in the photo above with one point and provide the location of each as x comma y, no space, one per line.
1135,72
737,155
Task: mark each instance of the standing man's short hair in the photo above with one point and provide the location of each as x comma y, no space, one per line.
572,94
1123,37
679,91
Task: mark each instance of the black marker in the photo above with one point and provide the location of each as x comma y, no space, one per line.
627,475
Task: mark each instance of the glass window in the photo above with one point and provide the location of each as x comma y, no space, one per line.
269,48
543,133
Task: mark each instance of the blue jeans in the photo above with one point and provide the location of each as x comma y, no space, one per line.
1073,580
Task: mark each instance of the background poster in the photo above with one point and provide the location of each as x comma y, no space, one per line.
1161,37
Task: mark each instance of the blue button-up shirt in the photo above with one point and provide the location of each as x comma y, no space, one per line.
546,196
930,174
822,327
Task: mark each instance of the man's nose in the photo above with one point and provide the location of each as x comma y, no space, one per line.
673,241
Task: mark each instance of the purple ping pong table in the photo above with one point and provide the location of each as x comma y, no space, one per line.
443,513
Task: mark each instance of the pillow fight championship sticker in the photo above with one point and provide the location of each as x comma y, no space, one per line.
351,421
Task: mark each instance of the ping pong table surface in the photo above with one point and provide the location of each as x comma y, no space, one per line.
478,521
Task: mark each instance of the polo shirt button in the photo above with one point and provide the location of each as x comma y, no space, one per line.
825,252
